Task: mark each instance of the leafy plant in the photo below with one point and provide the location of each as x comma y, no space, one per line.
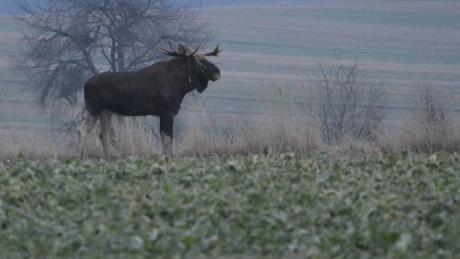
321,206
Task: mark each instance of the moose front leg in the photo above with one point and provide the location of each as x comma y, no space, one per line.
166,132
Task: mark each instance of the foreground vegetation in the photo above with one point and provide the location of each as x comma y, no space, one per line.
320,206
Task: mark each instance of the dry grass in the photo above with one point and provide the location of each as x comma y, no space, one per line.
135,137
250,135
421,137
430,129
233,135
199,134
35,145
130,138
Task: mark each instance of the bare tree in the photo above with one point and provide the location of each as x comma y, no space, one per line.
348,104
432,128
433,111
66,41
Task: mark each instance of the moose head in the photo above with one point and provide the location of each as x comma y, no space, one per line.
199,67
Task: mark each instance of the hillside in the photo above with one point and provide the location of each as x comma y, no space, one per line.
398,43
205,3
6,6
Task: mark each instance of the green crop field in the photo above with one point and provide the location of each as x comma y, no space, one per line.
285,206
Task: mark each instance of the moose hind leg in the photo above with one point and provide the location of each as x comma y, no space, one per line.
105,133
166,131
85,130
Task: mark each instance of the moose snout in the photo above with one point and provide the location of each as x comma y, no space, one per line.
215,75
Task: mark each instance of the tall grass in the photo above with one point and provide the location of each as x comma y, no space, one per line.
422,137
229,135
250,135
431,128
201,133
29,144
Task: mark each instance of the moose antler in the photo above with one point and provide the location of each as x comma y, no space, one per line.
215,52
194,52
181,51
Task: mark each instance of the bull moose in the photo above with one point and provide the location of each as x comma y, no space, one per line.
156,90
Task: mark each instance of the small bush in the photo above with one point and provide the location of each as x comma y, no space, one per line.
349,105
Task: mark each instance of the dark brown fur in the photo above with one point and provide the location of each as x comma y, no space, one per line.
156,90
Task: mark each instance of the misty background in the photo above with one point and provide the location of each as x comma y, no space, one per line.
274,48
8,6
